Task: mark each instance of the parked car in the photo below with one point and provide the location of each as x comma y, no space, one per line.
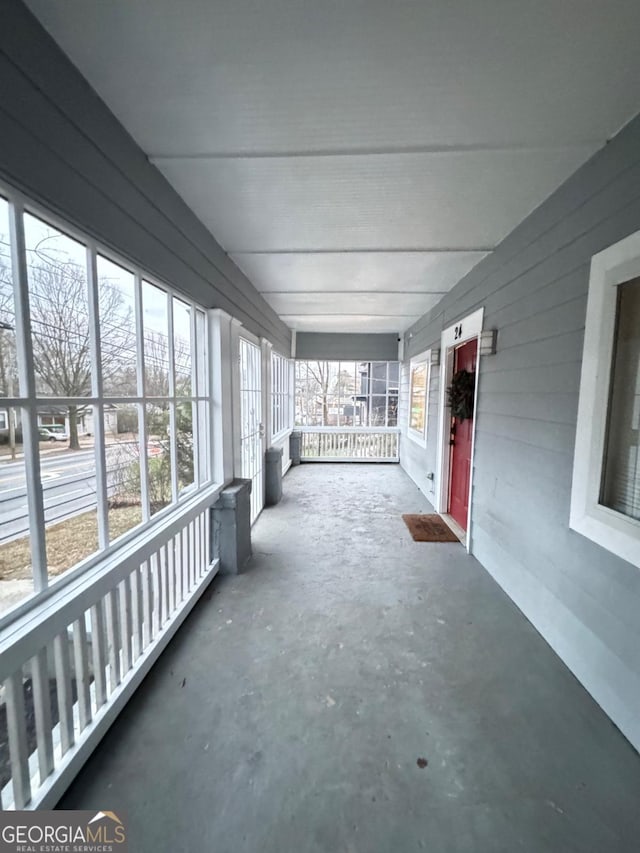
49,434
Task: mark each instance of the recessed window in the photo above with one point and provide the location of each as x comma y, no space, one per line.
605,497
418,397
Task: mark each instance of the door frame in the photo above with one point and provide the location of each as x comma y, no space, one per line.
458,333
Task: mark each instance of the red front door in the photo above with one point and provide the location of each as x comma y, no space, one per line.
465,357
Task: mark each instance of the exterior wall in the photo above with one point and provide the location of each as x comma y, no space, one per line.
64,148
582,599
334,347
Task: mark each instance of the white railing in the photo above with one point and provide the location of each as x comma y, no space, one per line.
349,444
69,667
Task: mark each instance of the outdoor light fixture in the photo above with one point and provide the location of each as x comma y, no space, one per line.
488,340
435,357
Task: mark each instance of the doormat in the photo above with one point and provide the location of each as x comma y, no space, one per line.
429,528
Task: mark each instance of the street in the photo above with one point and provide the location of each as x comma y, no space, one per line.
68,484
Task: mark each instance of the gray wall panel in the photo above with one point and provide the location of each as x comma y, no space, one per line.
533,288
62,146
322,345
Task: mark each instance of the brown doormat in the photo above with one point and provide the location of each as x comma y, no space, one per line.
429,528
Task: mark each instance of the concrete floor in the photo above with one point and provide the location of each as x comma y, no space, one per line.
317,679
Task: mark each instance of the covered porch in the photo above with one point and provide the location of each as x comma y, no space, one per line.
294,708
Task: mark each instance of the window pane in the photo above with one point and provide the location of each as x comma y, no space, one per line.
122,457
8,367
70,503
184,446
158,457
343,393
16,579
59,312
156,340
621,481
418,402
182,347
117,311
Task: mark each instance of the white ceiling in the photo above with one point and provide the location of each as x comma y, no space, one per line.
357,157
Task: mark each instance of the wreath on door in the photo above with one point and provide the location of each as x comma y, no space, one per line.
461,394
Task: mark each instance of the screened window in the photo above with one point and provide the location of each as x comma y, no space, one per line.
280,394
346,393
112,415
418,397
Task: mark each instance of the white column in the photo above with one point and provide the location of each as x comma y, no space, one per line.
222,366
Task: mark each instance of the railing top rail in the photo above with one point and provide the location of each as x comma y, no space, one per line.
22,639
347,429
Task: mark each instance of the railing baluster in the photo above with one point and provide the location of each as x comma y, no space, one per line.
192,555
98,654
63,689
185,561
177,556
17,733
171,572
124,596
42,712
136,614
147,627
207,537
156,586
81,664
111,613
164,583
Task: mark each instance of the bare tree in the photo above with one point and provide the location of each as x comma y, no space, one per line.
8,368
61,332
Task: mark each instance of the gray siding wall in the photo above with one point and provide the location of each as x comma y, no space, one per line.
317,345
582,599
63,147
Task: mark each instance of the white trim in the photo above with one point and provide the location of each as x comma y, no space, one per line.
420,436
458,333
612,530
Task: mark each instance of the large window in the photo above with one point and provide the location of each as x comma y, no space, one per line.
346,393
605,499
418,397
112,405
280,395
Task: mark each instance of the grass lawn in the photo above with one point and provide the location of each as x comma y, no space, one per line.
67,542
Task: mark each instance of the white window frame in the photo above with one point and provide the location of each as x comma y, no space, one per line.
416,435
280,391
4,420
613,530
28,400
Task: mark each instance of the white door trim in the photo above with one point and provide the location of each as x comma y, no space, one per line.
463,330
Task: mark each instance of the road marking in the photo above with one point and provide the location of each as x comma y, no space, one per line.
66,495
